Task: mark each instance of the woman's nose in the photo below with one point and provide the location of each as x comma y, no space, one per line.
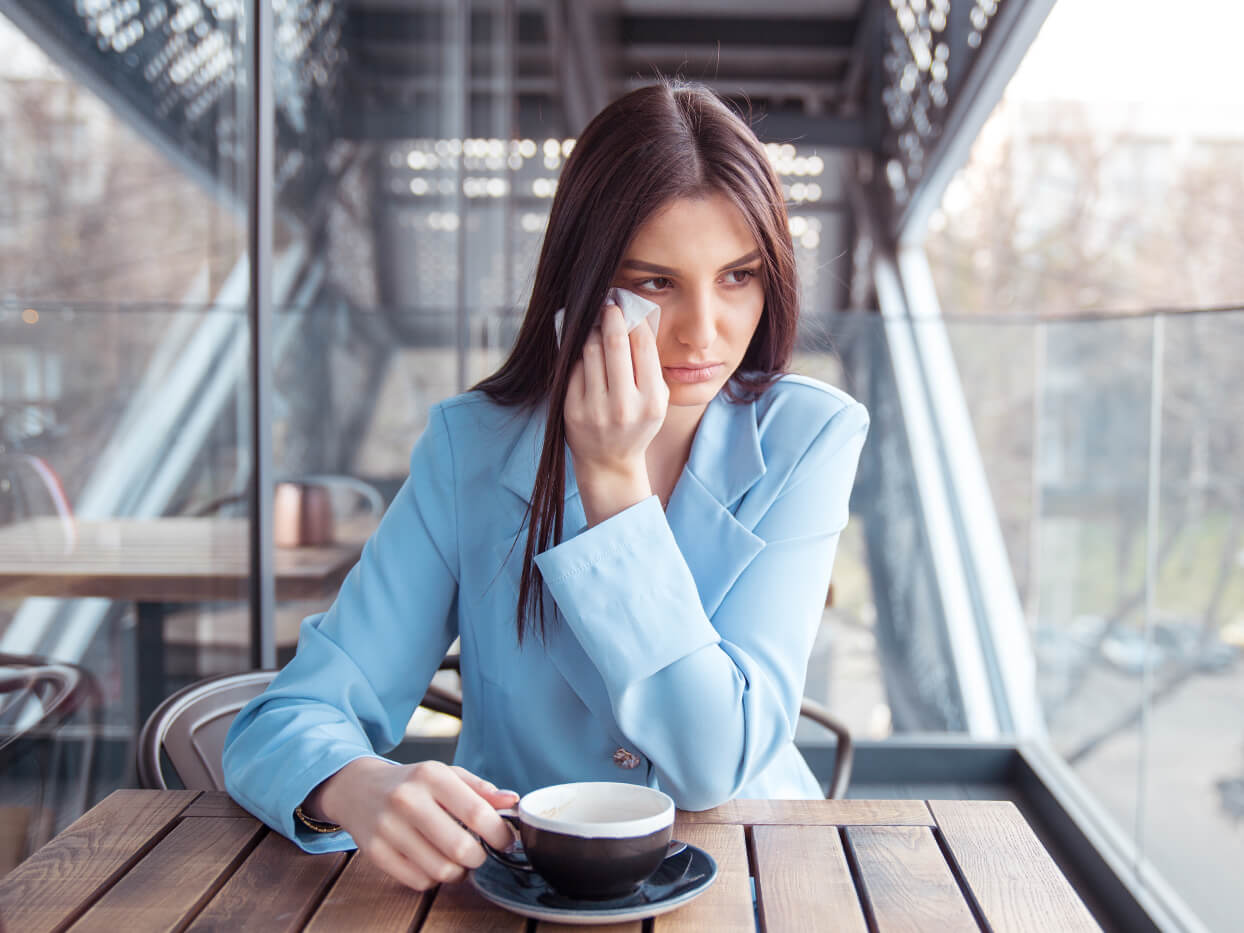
697,322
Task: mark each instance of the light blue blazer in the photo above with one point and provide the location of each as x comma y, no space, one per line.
681,636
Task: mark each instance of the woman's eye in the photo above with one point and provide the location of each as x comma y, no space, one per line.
740,276
660,283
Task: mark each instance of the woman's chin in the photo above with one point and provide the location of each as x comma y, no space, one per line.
700,393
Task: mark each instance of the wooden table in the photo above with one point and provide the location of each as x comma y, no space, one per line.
174,860
174,559
156,561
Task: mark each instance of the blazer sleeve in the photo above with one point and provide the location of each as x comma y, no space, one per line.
362,667
710,702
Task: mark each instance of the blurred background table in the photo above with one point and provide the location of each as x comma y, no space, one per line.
154,562
162,860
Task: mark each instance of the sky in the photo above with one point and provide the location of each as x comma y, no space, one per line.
1180,60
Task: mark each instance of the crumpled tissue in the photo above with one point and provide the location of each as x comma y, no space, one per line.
635,308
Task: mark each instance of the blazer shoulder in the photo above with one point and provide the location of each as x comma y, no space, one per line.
473,419
805,405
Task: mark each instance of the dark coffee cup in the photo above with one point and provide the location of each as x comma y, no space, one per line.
593,840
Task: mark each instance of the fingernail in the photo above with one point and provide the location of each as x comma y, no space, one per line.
512,793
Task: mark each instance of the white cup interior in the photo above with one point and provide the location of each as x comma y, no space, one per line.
598,808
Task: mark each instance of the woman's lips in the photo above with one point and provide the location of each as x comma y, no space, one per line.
692,374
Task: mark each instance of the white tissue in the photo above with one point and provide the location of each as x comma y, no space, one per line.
635,308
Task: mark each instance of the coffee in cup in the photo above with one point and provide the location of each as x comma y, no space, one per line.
592,840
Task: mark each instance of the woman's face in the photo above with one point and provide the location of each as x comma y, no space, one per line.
697,259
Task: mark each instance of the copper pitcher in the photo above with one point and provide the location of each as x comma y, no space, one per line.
302,515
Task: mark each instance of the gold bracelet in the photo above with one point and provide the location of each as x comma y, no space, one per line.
318,826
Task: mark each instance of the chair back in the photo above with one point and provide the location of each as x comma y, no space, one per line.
35,699
190,726
844,753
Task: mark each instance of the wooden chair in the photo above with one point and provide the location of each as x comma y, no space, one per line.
189,727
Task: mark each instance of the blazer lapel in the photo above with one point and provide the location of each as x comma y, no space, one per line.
725,462
519,472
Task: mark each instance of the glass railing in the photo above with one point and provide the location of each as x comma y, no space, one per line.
1112,449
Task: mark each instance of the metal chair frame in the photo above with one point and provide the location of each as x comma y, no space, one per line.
189,727
37,697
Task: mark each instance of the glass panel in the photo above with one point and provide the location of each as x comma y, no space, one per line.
416,248
1066,444
1194,747
123,369
1091,475
1091,192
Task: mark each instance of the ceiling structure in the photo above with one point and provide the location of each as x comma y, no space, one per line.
793,60
885,77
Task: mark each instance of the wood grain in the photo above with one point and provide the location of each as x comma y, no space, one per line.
803,881
275,889
459,908
906,881
217,804
727,904
69,873
364,898
812,813
1030,893
635,926
176,559
174,879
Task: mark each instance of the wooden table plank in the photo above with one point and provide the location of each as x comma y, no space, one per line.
727,904
67,875
635,926
1031,893
906,881
364,898
276,888
174,879
803,881
813,813
459,908
216,804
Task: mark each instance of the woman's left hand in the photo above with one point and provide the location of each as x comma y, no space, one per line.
615,405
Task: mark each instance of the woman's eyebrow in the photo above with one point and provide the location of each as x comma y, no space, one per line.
666,270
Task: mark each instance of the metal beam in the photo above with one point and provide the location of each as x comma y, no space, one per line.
937,507
589,52
768,31
1003,630
536,117
807,130
578,57
261,206
806,62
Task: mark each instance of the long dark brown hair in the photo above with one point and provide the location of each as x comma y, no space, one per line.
657,144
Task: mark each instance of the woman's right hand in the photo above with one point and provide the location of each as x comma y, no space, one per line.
615,404
410,819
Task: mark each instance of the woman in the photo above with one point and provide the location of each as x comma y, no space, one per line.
642,611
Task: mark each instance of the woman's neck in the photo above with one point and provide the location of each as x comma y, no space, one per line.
669,450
